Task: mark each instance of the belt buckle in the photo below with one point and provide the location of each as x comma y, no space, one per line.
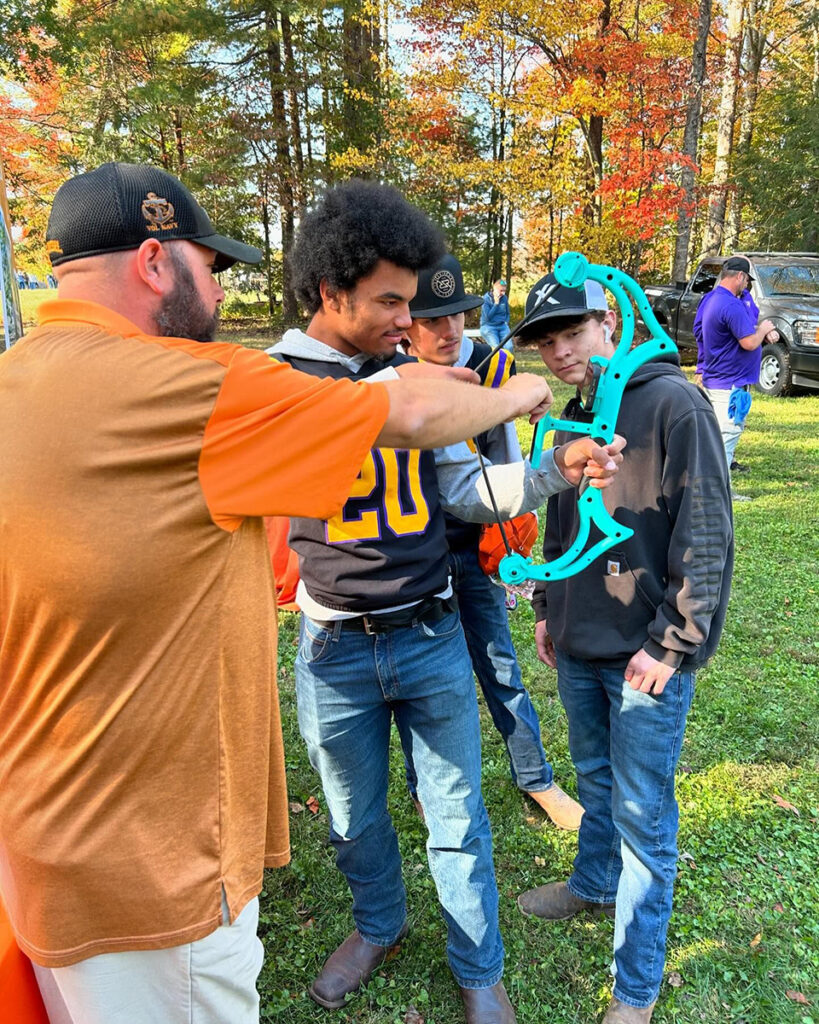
369,626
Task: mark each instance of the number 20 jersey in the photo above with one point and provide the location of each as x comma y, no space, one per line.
388,545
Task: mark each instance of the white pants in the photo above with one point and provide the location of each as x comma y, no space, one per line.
210,981
731,432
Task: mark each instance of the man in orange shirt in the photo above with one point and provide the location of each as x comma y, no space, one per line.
142,786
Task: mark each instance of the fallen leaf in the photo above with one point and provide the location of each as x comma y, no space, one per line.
686,768
675,979
755,941
689,860
308,923
797,997
296,808
412,1016
531,820
779,908
540,861
312,804
784,804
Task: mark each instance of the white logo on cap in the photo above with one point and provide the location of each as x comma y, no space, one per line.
542,291
443,284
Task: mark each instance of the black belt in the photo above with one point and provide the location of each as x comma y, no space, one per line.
431,609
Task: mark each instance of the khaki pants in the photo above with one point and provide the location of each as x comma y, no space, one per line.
210,981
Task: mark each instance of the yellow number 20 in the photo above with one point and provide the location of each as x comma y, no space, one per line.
392,477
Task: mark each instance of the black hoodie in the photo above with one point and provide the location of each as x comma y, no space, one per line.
666,588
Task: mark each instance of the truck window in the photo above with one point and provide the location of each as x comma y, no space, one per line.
705,278
790,279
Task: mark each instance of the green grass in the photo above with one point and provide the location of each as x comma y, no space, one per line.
745,928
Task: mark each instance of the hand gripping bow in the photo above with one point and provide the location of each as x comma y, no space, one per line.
603,401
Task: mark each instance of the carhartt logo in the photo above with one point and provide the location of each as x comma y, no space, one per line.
159,213
443,284
52,245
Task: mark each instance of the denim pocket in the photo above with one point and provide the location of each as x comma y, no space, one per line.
315,641
448,626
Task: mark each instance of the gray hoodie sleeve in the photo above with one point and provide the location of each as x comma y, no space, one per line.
517,487
701,540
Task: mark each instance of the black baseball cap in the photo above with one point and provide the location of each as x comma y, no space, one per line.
738,263
549,300
118,206
441,291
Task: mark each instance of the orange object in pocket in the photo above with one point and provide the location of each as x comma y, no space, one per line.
520,532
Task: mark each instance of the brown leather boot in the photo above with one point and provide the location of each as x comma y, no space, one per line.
556,902
564,811
346,970
488,1005
622,1013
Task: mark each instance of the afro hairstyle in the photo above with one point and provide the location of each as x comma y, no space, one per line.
355,225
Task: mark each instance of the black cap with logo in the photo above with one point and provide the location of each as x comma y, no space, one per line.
738,263
549,300
118,206
441,291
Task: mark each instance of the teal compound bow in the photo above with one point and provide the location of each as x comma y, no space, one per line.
603,401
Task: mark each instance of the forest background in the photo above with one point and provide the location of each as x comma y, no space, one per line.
643,132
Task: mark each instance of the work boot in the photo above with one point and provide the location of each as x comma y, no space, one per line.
622,1013
346,970
561,808
488,1005
556,902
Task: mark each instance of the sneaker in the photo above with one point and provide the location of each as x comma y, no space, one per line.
511,601
739,467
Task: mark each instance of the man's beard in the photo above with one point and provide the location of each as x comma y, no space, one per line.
181,313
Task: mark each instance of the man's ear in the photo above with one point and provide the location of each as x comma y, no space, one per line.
330,295
610,319
154,266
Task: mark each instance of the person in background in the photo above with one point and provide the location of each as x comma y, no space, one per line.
753,311
731,344
627,635
495,316
437,336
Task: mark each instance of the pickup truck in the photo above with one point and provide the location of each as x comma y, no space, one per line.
786,290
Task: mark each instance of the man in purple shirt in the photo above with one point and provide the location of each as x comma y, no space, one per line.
731,343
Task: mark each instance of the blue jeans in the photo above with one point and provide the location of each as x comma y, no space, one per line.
625,746
349,686
482,606
493,335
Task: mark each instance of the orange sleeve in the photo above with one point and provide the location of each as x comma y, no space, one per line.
280,442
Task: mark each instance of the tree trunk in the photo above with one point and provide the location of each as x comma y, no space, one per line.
180,144
693,114
715,225
755,36
293,95
283,162
509,245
